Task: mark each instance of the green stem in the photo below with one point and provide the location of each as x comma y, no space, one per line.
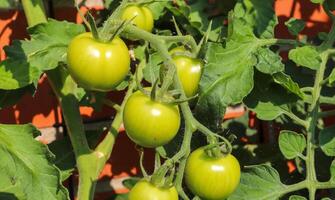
295,118
311,130
326,113
34,11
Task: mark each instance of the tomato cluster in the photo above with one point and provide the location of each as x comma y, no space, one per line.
101,66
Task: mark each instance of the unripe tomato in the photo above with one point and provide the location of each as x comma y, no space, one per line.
189,73
150,123
144,190
212,178
141,17
95,65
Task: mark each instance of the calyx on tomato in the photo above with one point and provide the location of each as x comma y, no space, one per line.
212,178
144,190
96,65
141,16
150,123
188,69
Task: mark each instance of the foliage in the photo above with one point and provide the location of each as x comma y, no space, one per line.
243,66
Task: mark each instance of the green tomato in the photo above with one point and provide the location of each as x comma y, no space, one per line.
150,123
95,65
212,178
141,16
144,190
189,73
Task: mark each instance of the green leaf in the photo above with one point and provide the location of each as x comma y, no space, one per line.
158,8
296,197
291,144
332,77
286,81
332,171
228,75
130,182
295,26
63,150
48,44
11,97
26,165
151,70
260,182
268,61
263,17
15,74
327,140
317,1
306,56
267,98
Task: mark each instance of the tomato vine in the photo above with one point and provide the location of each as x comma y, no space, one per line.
241,65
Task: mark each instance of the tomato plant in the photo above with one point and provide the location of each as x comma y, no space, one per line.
229,56
150,123
141,16
211,177
145,190
96,65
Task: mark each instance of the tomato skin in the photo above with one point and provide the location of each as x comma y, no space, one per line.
141,16
212,178
144,190
95,65
149,123
189,73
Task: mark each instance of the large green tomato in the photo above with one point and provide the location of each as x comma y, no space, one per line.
150,123
212,178
144,190
141,16
189,73
95,65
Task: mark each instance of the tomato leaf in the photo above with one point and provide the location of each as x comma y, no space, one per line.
63,150
332,77
259,182
332,171
15,74
268,61
267,98
47,46
286,81
295,26
291,144
317,1
11,97
228,75
27,166
151,70
260,14
296,197
327,140
306,56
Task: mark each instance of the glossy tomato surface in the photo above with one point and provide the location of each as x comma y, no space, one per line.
95,65
212,178
189,72
141,16
150,123
144,190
